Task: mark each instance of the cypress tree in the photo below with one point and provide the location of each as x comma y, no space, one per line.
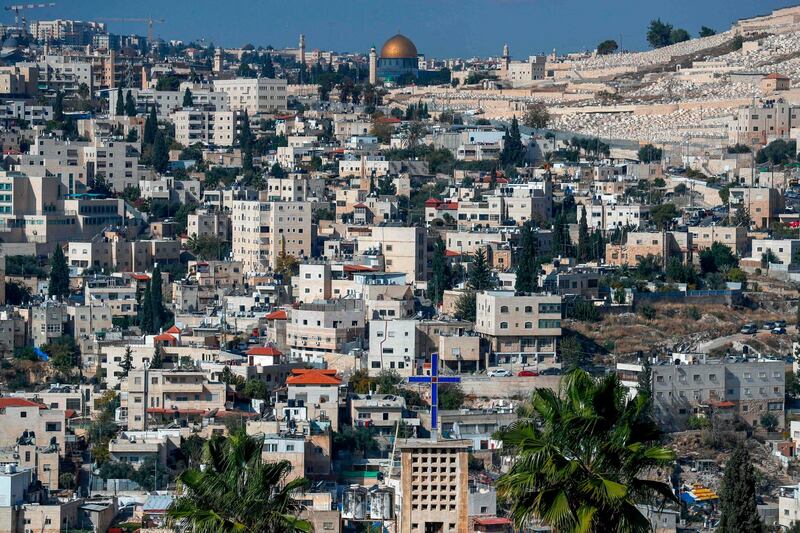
584,253
150,127
739,513
120,109
526,260
59,275
246,143
160,153
58,107
440,276
268,69
130,105
157,300
188,99
146,312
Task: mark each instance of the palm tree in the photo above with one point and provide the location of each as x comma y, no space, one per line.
234,491
581,457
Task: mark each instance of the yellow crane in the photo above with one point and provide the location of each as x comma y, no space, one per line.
23,7
149,21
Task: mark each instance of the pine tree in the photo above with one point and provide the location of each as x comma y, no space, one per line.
598,245
583,252
120,109
157,362
59,275
188,99
157,300
150,127
160,153
526,280
739,513
561,239
480,274
645,389
246,143
440,275
146,312
127,361
267,68
130,105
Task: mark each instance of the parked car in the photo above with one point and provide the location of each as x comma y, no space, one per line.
780,323
527,373
768,326
748,329
499,373
550,372
778,331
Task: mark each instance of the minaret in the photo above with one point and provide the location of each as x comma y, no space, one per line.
218,61
373,66
302,49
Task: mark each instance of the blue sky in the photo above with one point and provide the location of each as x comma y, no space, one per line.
440,28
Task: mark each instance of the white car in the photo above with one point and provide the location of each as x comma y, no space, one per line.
499,373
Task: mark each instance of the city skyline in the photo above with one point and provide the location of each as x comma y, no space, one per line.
357,25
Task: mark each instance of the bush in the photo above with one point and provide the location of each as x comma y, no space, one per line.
648,311
698,422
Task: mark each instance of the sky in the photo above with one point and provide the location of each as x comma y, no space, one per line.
439,28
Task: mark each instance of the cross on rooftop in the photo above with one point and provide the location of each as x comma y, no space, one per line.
434,379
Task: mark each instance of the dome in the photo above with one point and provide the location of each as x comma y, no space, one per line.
399,47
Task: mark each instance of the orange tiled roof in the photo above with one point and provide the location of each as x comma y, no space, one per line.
19,402
277,315
264,350
302,376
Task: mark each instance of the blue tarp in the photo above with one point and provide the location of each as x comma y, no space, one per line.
43,356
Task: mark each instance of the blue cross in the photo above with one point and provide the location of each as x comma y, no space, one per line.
434,379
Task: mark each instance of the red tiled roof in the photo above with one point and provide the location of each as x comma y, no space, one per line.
388,120
69,413
776,77
140,277
725,404
449,206
165,411
301,376
264,350
358,268
280,314
174,330
492,521
360,205
451,253
19,402
432,202
164,337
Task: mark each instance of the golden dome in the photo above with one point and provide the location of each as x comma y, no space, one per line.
399,47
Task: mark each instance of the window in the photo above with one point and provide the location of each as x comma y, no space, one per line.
23,414
528,325
503,325
504,309
53,426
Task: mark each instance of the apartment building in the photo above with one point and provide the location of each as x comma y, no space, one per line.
734,237
67,32
641,244
608,217
19,416
262,231
762,122
16,111
161,393
745,390
379,411
116,253
364,166
324,327
167,102
763,204
209,128
392,346
19,80
254,95
520,72
209,223
404,249
310,395
519,328
48,322
782,251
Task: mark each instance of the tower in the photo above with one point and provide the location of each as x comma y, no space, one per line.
218,61
302,50
373,66
506,60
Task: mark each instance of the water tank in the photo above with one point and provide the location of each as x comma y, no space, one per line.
355,503
381,503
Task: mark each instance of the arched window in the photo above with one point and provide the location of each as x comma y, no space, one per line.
504,309
529,309
503,325
528,325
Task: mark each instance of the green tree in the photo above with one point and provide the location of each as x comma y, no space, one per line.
769,421
678,35
663,215
527,264
188,99
480,273
277,171
236,491
150,127
130,105
659,34
120,108
160,153
157,300
157,362
451,396
146,311
705,31
583,252
581,458
645,389
607,47
127,361
59,275
513,153
737,503
718,258
572,353
649,153
58,107
466,306
536,116
255,389
440,273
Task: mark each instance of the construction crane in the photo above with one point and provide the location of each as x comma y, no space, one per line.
23,7
149,21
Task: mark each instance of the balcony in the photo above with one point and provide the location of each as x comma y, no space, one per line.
171,386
